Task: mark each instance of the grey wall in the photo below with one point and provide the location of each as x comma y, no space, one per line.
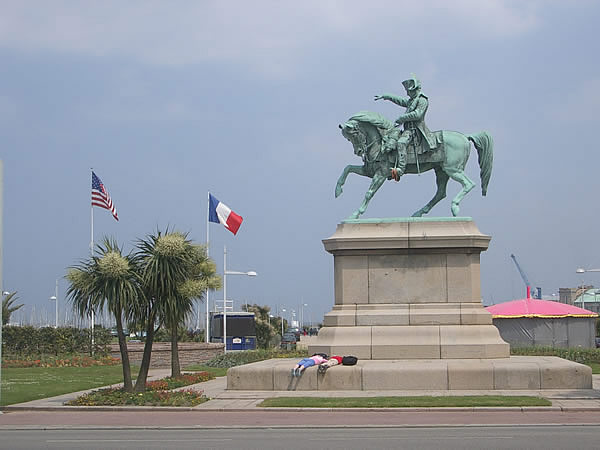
561,333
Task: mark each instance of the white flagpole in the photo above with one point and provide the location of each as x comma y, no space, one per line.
206,331
92,254
225,298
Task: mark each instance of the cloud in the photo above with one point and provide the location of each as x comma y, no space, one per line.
266,37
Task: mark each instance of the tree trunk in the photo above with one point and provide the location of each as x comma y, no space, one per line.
175,368
127,383
140,384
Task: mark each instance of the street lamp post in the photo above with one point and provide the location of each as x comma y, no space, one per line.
55,299
282,310
225,273
302,305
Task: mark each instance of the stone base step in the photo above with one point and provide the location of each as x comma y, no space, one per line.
513,373
412,342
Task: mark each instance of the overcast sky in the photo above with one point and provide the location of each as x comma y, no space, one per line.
168,100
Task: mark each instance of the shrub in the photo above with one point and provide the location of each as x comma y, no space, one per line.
232,359
24,342
66,361
572,354
183,335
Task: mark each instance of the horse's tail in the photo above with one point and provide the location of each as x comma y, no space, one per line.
485,150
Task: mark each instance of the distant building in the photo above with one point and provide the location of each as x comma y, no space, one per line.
588,298
568,295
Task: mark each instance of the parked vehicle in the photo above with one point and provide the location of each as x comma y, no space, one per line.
296,331
288,340
598,342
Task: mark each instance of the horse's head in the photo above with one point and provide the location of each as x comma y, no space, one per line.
351,130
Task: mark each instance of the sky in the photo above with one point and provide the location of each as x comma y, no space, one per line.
170,100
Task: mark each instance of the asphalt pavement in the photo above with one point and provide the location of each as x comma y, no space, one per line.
449,438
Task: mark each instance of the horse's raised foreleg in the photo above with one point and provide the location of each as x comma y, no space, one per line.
467,185
441,179
378,180
359,170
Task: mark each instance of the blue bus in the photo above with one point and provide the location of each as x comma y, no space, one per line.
241,330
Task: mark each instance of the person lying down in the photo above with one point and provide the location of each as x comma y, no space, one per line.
303,364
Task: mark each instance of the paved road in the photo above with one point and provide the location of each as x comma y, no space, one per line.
199,418
449,438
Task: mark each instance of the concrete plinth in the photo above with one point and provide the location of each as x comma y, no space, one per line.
513,373
408,305
408,289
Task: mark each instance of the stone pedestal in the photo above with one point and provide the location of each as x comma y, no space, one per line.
408,305
528,373
408,289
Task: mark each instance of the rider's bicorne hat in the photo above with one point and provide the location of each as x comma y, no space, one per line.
411,84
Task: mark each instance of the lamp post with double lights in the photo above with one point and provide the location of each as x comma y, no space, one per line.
302,305
225,273
582,270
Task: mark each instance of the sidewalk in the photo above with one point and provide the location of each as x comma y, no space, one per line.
247,401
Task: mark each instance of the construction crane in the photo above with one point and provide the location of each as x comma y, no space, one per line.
538,290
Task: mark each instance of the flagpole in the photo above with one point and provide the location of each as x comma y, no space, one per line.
225,298
206,331
92,254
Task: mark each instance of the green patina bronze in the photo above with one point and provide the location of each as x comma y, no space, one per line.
389,151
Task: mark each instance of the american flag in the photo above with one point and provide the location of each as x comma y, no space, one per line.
100,196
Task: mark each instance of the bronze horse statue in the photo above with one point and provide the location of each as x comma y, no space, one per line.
374,137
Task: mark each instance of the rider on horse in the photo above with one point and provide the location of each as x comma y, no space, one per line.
413,119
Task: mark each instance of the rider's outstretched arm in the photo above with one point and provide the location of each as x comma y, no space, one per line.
401,101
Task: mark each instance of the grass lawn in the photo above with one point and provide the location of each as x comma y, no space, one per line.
32,383
404,402
216,371
594,365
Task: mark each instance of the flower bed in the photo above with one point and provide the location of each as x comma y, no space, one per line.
186,379
64,361
117,397
158,393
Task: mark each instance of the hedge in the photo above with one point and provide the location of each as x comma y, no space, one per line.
28,341
579,355
232,359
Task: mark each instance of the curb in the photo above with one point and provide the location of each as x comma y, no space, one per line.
283,427
318,410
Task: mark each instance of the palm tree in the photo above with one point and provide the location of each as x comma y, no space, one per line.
107,278
8,307
164,259
200,275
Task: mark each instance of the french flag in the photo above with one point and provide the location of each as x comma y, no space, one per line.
221,213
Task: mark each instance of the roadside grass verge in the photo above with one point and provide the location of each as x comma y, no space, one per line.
404,402
216,371
33,383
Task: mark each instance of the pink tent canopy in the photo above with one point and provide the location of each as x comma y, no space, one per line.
530,307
